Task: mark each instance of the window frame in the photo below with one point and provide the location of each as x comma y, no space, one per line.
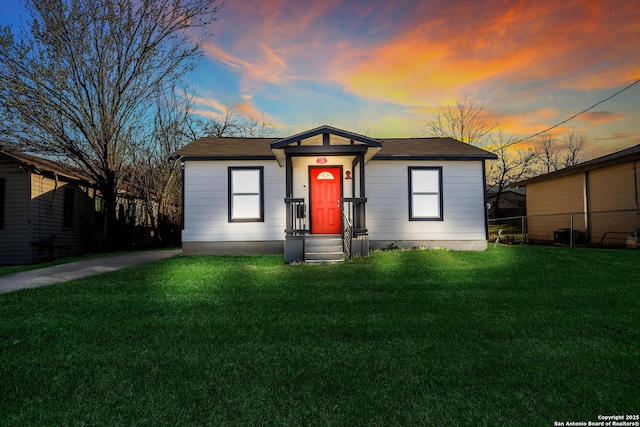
231,194
412,217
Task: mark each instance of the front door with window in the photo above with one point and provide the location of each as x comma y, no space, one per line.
326,184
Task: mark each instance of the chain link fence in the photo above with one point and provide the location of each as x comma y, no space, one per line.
605,229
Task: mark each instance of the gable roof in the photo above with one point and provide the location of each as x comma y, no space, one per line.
329,130
389,149
43,166
623,156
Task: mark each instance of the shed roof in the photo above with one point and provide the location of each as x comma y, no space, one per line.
623,156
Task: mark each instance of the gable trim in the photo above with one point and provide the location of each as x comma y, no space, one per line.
329,131
314,150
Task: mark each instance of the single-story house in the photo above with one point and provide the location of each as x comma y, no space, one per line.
317,193
596,202
47,210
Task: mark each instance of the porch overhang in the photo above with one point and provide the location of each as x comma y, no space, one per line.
326,141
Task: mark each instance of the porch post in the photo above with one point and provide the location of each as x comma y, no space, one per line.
293,242
360,244
354,163
288,177
362,186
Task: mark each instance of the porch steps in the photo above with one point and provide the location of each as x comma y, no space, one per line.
323,249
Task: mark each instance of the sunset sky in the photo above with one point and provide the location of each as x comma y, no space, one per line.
382,68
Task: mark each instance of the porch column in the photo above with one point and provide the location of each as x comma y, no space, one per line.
362,186
358,160
288,177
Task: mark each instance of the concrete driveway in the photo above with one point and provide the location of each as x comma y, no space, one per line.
75,270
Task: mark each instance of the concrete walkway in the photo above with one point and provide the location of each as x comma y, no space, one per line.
75,270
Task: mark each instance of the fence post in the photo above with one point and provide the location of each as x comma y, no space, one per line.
571,231
522,219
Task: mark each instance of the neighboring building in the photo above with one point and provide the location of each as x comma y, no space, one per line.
602,194
47,210
513,202
316,193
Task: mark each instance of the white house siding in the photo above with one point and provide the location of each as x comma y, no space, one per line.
206,209
14,236
463,225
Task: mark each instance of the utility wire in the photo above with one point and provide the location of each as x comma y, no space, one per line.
575,115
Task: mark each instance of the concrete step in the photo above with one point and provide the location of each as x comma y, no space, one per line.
323,249
324,256
320,261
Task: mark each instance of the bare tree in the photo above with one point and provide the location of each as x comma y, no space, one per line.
233,123
153,179
80,83
466,122
548,153
511,166
574,151
552,155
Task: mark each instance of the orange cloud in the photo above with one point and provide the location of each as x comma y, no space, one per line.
507,43
387,68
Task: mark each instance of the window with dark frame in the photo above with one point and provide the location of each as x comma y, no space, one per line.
246,194
2,197
69,206
425,193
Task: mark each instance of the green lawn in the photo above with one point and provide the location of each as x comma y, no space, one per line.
517,335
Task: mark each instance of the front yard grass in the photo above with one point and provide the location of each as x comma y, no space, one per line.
517,335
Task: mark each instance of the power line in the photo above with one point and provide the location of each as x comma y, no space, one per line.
575,115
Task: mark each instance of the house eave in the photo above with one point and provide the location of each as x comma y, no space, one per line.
221,158
432,157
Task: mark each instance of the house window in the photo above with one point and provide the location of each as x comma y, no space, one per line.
69,206
425,194
246,194
2,184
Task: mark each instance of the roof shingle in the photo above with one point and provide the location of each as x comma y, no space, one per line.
392,148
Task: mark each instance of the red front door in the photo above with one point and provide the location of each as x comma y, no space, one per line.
326,217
